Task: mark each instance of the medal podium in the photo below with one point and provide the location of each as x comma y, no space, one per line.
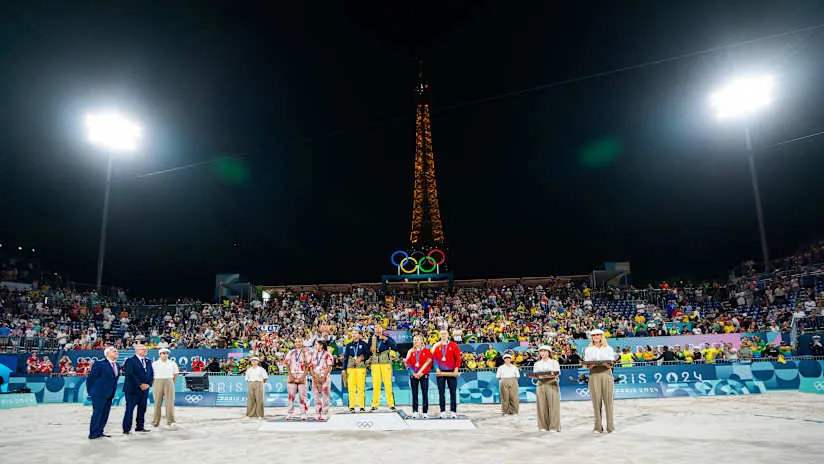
380,421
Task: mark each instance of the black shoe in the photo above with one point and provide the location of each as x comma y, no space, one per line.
95,438
373,409
126,432
107,436
142,430
362,410
351,410
393,409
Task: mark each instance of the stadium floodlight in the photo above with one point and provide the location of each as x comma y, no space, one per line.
113,132
117,135
743,97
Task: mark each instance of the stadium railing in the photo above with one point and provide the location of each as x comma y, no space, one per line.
527,367
28,344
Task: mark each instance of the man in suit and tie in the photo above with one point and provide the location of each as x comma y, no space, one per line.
139,376
102,385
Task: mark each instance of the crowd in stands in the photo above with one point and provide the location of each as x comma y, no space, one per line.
553,312
18,265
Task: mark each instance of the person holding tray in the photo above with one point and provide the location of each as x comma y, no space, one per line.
447,356
547,393
599,357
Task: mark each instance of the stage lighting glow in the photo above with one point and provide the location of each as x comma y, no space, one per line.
113,132
743,97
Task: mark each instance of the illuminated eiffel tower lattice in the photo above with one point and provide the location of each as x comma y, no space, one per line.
427,227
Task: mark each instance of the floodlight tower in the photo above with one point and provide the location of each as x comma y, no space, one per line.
742,99
117,136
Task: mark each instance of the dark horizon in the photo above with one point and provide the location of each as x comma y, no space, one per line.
314,111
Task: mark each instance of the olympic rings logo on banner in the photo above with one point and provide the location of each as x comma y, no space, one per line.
819,386
193,398
365,425
418,261
582,391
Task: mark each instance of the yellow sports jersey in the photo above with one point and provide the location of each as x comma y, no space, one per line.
626,359
709,355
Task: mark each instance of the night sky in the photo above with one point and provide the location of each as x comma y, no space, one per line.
310,109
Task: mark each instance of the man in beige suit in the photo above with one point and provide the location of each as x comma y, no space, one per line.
163,387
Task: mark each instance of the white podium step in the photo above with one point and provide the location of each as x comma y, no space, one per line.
370,421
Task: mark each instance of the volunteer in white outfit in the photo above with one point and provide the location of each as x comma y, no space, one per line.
599,357
548,393
507,376
163,387
256,377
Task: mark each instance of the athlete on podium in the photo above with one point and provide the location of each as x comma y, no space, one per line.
447,356
381,347
353,374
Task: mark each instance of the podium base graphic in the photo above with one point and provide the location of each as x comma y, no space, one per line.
380,421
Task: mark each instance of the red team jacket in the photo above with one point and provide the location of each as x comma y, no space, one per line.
452,354
416,359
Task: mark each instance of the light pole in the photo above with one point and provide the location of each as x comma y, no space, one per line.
116,135
742,99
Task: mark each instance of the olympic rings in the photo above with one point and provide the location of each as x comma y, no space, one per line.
417,262
193,398
365,425
819,386
582,391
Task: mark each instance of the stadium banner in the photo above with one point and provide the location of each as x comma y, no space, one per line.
195,398
16,286
622,392
714,388
8,364
484,347
183,357
400,336
684,341
671,373
812,385
775,375
17,400
478,387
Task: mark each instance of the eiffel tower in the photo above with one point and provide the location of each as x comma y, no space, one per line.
427,227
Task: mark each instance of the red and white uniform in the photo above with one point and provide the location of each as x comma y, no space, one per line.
447,357
416,359
297,363
82,368
46,367
33,364
322,392
66,368
198,365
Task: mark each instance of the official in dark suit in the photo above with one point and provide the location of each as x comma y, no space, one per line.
139,376
102,385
